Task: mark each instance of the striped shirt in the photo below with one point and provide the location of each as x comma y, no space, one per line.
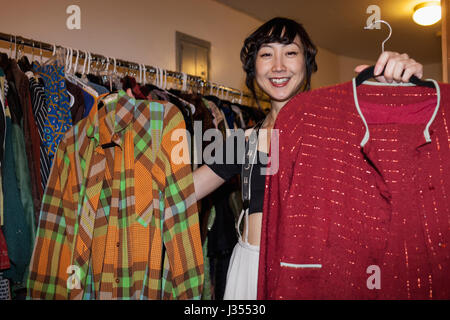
39,106
119,222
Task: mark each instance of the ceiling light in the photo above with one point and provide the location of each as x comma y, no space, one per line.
427,13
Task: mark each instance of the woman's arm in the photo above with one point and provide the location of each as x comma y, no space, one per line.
397,67
205,181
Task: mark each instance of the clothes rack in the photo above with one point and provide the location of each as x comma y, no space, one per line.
95,57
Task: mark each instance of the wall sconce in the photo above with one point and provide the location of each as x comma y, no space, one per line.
427,13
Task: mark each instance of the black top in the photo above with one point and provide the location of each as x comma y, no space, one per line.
258,180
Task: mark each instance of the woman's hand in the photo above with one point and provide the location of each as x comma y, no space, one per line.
399,67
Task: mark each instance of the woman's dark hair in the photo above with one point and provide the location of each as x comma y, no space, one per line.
279,30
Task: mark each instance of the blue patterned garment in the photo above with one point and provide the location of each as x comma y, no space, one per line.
59,118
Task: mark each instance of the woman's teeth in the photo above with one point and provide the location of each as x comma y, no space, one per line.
279,81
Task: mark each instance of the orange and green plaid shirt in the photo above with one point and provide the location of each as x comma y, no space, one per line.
119,222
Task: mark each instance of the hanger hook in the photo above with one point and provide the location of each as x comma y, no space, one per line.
390,31
84,63
76,62
70,59
21,47
10,46
15,47
32,50
165,79
67,59
144,73
89,63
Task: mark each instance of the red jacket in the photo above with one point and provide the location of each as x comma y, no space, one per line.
346,200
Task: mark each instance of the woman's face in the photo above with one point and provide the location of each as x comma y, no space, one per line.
280,70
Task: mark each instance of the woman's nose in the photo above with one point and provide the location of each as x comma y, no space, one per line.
278,64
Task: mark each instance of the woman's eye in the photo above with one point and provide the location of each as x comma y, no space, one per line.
265,55
292,53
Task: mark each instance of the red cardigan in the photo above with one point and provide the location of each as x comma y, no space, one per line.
346,198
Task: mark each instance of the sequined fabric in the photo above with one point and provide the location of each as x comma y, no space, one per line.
336,210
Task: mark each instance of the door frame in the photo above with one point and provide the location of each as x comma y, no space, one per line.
182,37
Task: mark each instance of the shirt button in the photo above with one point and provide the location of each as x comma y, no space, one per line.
118,244
117,280
431,187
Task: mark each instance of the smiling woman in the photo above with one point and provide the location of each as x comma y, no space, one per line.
286,43
280,58
280,70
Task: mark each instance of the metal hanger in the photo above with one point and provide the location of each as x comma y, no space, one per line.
368,73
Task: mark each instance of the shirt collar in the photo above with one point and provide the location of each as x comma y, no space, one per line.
425,138
100,124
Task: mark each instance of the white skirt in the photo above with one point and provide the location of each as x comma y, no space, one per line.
242,275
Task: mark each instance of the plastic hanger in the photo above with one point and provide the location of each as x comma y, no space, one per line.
40,51
68,65
84,63
53,58
15,48
76,62
32,51
165,79
10,47
368,73
140,73
81,82
156,76
145,74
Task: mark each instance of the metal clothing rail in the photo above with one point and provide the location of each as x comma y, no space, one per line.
198,81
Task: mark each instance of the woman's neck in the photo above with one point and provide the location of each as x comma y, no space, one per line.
273,113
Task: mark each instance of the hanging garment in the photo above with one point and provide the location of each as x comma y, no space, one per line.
31,134
123,217
15,228
4,259
359,206
77,109
59,118
5,291
238,113
2,136
39,105
23,180
2,116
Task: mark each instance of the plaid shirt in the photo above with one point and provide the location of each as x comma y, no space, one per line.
120,222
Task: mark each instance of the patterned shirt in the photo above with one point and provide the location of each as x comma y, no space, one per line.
122,219
59,118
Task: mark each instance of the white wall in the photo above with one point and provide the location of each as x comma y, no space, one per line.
328,69
136,30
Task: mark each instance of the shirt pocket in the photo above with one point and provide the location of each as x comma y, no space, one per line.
298,281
